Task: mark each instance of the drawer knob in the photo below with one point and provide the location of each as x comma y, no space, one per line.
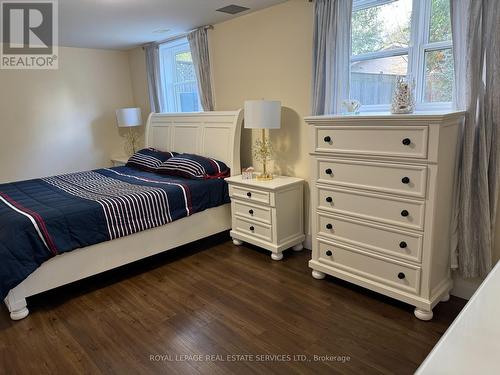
407,141
329,199
250,212
403,245
249,195
329,226
405,180
252,228
327,139
328,171
404,213
329,253
401,276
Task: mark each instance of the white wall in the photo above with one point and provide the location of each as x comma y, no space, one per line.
63,120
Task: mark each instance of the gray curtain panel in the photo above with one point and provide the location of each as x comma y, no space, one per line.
476,49
198,42
331,55
152,52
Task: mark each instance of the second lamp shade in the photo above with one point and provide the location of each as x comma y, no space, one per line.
262,114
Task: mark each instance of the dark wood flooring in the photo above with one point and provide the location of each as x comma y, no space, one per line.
213,298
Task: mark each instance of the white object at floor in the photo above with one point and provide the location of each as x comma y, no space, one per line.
471,345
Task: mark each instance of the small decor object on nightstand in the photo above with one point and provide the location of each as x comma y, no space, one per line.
402,99
263,114
247,173
268,214
129,118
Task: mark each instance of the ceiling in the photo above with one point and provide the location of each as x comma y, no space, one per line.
124,24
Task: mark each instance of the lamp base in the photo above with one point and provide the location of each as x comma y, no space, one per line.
264,177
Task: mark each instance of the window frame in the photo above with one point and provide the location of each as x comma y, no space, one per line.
418,46
167,52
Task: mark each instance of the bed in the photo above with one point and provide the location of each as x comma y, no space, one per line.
212,134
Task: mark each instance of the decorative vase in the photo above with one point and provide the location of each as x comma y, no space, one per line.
403,99
352,106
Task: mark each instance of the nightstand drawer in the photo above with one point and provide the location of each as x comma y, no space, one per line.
387,209
253,229
402,141
383,240
252,211
249,194
391,178
384,271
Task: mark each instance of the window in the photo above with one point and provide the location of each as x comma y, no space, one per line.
392,38
179,87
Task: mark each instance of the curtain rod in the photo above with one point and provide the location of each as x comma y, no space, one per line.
178,36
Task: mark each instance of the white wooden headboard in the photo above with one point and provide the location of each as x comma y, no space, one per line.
212,134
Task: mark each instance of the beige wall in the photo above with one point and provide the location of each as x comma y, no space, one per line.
63,120
267,54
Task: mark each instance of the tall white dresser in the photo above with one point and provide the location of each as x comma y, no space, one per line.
381,203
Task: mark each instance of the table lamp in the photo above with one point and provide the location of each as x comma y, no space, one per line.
263,114
129,118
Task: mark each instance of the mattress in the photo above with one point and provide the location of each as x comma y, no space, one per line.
42,218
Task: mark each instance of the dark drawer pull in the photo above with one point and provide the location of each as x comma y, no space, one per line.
405,180
401,276
329,253
327,139
329,199
249,195
329,226
406,141
403,245
252,228
250,212
404,213
328,171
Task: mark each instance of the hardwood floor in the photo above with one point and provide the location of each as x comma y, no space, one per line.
213,298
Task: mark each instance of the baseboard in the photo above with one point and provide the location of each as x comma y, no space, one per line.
463,288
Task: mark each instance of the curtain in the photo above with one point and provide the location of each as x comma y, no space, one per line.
331,55
198,42
476,49
152,52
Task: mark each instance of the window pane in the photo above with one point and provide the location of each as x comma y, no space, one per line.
440,25
178,78
438,76
186,88
381,28
373,81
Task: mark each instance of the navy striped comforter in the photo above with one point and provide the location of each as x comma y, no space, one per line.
44,217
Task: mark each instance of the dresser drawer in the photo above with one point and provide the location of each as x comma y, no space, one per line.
381,239
401,179
386,209
384,271
249,194
252,211
252,228
401,141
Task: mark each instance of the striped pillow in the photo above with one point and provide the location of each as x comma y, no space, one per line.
194,167
149,159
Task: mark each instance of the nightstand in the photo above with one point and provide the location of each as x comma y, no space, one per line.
268,214
119,161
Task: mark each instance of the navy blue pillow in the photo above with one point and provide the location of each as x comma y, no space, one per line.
149,159
194,167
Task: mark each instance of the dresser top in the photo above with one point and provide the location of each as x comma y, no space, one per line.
418,115
278,182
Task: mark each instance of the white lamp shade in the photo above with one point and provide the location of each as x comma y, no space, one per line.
128,117
262,114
